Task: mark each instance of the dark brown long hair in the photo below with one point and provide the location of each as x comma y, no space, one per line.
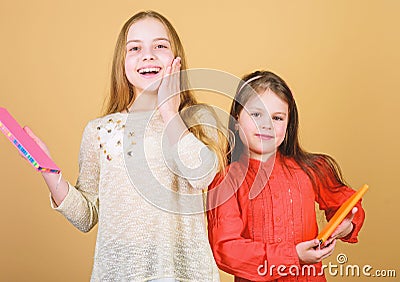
315,165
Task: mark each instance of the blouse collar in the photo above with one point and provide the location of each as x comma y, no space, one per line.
254,163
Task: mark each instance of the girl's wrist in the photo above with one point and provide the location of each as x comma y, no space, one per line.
49,175
52,179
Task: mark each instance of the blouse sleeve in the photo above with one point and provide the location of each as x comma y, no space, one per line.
81,204
195,160
331,196
234,253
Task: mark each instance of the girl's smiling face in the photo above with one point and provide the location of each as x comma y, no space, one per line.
148,54
262,124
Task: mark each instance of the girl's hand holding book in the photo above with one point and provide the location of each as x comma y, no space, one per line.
37,140
345,227
57,186
309,251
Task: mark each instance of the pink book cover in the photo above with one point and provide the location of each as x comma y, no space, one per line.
25,144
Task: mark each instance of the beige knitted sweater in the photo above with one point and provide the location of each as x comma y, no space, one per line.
146,197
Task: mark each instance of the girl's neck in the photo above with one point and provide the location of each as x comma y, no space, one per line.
261,158
145,101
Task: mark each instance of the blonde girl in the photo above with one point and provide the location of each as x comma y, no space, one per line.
140,159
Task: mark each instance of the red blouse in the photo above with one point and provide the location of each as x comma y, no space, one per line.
254,238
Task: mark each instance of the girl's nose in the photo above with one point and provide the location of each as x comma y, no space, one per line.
266,123
266,126
148,54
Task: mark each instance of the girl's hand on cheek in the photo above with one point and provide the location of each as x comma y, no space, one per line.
168,99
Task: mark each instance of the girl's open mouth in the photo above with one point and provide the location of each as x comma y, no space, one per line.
149,71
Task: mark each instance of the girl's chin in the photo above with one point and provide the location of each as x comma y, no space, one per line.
151,88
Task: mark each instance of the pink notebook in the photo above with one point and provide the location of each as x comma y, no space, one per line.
25,144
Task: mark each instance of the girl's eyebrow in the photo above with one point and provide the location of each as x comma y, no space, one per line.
280,113
257,108
161,38
155,39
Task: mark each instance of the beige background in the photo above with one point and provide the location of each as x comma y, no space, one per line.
341,59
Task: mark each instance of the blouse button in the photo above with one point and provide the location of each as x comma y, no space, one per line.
278,219
279,240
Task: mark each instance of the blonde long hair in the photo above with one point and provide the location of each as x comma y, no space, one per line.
122,93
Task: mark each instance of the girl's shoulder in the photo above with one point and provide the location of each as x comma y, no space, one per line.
107,119
288,162
235,170
199,113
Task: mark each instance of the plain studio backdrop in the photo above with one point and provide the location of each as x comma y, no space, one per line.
340,58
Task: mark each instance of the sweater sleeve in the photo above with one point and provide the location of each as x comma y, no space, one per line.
233,252
81,204
331,196
196,161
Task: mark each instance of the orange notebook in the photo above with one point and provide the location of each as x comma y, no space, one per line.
341,214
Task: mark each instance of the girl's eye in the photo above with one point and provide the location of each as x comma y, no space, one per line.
277,118
255,114
133,49
160,46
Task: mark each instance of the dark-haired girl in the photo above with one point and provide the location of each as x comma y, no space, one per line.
261,210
